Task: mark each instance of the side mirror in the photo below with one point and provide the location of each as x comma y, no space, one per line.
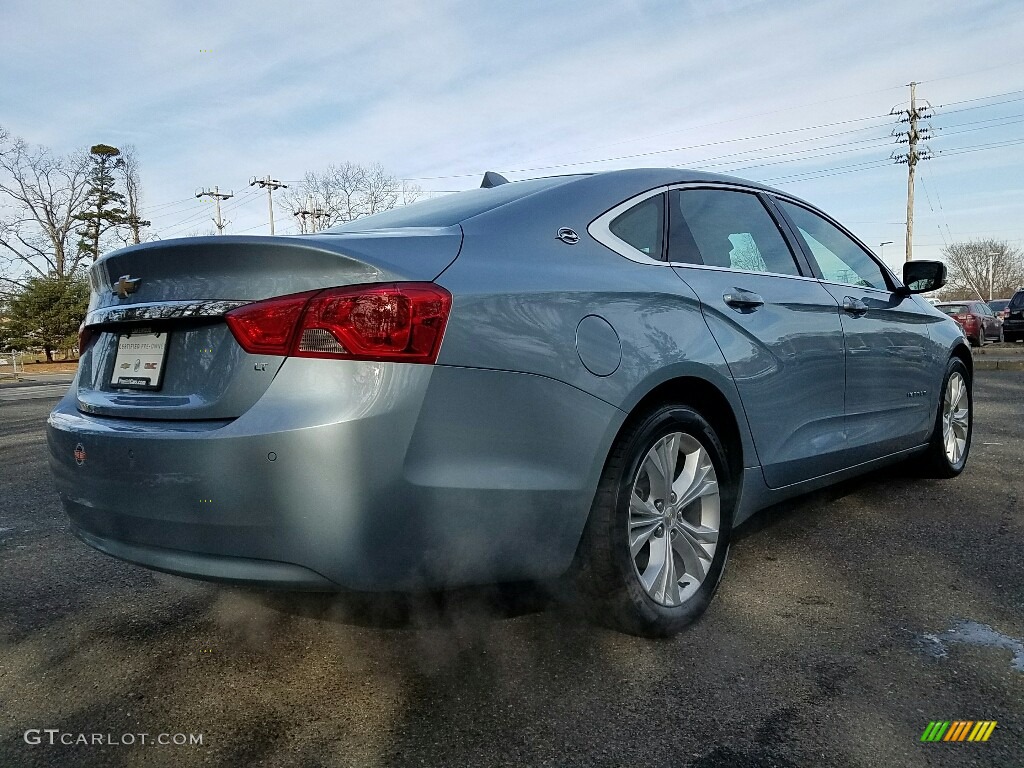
922,276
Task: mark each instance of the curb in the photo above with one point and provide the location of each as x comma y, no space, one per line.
1001,350
998,365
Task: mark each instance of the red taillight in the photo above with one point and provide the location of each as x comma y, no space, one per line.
399,322
268,327
86,337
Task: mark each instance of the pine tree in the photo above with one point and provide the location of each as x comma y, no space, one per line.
47,313
103,204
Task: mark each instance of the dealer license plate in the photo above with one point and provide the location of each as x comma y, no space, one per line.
140,359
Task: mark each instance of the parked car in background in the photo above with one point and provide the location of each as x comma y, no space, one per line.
1013,325
999,308
601,374
976,318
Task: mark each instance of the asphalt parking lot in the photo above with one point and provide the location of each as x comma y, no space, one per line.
847,621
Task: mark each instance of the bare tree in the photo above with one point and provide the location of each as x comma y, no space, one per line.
40,196
346,192
380,190
411,192
134,223
980,267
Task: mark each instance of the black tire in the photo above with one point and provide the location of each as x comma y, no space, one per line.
604,571
934,462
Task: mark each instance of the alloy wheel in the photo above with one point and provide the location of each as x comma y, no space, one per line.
674,518
956,419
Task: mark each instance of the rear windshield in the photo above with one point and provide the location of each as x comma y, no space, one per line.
1018,300
998,305
451,209
954,309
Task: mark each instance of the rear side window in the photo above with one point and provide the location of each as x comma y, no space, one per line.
723,228
642,226
840,259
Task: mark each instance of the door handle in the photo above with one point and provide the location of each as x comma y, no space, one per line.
742,300
855,307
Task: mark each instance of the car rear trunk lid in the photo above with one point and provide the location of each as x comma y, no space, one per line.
174,294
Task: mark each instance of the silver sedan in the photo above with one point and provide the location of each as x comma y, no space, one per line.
601,375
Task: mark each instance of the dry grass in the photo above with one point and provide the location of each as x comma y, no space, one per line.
58,366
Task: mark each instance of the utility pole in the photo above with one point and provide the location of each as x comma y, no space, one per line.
217,196
911,137
991,272
270,185
309,216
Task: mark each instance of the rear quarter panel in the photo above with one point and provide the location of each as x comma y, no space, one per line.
520,294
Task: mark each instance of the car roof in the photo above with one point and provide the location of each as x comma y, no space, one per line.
458,207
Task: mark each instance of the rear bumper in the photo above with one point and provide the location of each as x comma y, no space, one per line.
346,474
1013,328
234,570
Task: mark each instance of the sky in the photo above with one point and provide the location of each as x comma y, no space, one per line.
796,94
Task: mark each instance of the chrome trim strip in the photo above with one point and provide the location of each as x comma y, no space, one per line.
714,268
161,310
896,279
882,291
599,229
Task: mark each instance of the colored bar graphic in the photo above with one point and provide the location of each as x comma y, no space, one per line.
961,730
935,730
958,730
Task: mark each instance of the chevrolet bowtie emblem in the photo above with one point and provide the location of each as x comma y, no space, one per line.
126,285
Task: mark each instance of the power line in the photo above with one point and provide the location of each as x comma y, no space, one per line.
980,98
184,221
720,142
823,173
156,206
979,147
241,199
658,151
176,211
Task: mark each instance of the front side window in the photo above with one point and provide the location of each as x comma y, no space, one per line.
840,259
642,226
723,228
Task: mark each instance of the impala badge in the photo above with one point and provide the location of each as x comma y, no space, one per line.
126,285
568,236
